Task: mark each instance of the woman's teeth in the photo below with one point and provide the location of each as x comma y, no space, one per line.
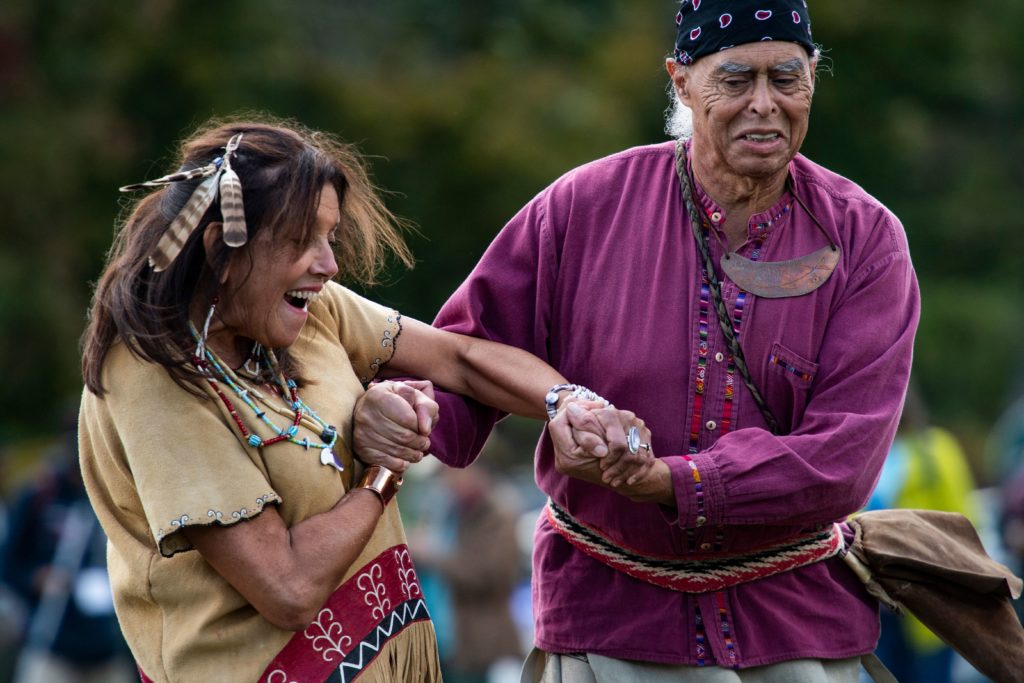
300,298
755,137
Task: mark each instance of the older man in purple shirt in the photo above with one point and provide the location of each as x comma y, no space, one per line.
758,312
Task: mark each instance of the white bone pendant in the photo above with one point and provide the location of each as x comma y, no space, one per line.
327,457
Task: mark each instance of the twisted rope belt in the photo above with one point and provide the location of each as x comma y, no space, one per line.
715,572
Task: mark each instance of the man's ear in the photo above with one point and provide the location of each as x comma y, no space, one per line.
212,236
679,76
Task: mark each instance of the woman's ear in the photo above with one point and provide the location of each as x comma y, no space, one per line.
213,237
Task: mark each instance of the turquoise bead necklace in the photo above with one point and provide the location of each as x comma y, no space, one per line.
205,360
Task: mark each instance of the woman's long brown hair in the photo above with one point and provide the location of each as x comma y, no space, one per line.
282,167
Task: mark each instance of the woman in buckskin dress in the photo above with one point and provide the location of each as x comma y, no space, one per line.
222,362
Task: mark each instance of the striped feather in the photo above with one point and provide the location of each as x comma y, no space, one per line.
184,223
201,172
231,208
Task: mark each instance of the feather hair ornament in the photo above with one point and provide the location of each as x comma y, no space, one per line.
174,238
231,208
178,232
181,176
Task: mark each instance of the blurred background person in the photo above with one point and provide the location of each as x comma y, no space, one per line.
1012,526
12,610
1005,454
54,560
473,549
925,469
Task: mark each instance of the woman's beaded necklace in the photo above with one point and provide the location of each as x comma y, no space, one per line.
289,391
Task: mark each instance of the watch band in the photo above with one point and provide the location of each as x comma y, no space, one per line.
381,481
551,398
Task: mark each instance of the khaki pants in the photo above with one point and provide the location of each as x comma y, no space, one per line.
543,667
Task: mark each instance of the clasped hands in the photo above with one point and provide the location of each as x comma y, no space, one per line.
393,421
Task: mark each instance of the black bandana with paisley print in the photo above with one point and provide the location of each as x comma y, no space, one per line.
707,26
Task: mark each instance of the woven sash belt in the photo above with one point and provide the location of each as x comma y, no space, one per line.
714,571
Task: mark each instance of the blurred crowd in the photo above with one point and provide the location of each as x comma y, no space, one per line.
471,533
57,619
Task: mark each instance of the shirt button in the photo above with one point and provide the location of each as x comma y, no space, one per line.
700,520
705,546
719,356
716,216
711,425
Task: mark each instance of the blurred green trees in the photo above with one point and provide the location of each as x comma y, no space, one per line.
467,109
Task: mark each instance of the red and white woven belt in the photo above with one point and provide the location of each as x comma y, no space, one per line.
713,571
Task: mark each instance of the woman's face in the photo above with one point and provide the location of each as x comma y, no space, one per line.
270,304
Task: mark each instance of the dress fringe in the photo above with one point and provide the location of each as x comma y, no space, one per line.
410,658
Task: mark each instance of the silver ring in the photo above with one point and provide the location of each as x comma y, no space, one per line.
646,447
633,440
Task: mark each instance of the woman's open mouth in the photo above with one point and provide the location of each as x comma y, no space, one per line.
300,298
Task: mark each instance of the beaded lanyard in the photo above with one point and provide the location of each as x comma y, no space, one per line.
205,359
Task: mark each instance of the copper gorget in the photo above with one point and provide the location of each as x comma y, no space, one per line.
769,279
780,279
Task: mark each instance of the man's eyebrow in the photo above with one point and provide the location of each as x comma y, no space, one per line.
734,68
794,65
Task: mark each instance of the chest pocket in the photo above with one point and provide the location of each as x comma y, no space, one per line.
792,375
789,364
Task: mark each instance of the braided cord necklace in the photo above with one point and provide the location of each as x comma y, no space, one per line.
700,232
289,391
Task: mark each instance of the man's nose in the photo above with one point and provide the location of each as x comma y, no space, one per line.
762,101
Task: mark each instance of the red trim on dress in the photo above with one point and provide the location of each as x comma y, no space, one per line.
363,614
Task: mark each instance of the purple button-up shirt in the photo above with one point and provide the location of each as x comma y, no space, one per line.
600,276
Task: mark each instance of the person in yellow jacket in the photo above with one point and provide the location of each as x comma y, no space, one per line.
925,469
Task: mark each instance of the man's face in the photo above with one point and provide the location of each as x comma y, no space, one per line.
751,105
